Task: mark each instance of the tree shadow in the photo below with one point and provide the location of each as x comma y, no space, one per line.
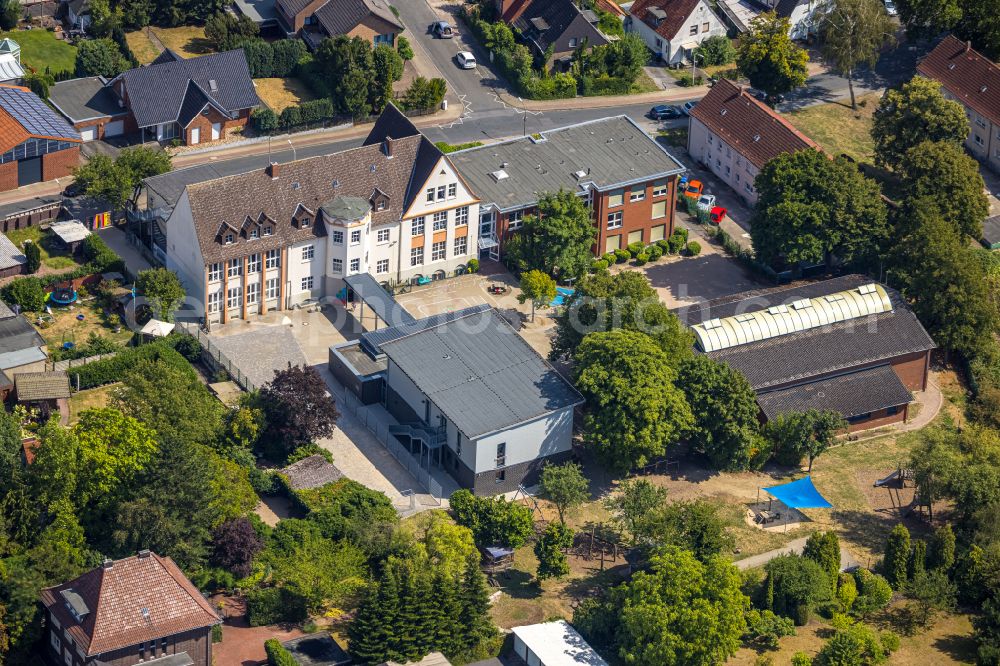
518,584
871,529
959,647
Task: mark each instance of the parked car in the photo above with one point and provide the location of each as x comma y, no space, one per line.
706,201
890,8
442,30
770,100
665,112
688,106
72,190
466,60
693,189
717,214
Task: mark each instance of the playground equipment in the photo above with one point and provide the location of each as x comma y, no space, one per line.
900,477
63,295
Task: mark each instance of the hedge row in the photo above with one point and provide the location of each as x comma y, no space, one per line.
177,350
313,111
274,605
277,655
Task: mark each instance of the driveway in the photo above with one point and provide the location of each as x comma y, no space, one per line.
118,241
847,561
681,281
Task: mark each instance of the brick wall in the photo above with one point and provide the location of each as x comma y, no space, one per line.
912,370
637,216
879,419
61,163
370,26
8,176
204,124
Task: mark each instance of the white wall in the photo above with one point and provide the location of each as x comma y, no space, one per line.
545,436
723,160
669,50
183,253
297,269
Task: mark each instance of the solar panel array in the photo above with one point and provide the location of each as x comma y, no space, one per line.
32,113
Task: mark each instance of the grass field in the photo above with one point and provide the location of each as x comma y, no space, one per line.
52,256
838,129
145,51
67,328
89,399
280,93
187,40
41,49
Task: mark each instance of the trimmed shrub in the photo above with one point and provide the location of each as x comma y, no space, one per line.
26,292
473,265
598,266
290,117
316,110
272,605
264,119
693,248
654,252
641,258
609,257
636,248
110,370
277,655
664,246
621,256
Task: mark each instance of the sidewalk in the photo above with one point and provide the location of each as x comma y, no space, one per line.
847,561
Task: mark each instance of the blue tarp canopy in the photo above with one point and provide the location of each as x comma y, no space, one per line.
801,494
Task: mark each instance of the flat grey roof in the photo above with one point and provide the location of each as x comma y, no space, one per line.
360,362
378,299
16,335
17,208
69,231
606,153
259,11
991,232
10,254
481,374
853,394
85,99
177,659
372,341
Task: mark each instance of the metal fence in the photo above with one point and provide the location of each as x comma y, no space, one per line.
77,362
215,355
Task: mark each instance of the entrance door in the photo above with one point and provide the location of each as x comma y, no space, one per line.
114,128
88,134
195,135
29,171
216,131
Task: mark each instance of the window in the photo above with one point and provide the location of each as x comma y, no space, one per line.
430,195
338,266
214,272
616,198
382,235
235,268
748,188
253,264
355,236
271,288
515,220
417,256
501,454
337,237
68,656
439,251
234,297
304,222
978,139
355,265
637,193
308,252
727,169
612,243
452,190
710,139
705,26
253,293
858,418
461,246
214,301
635,237
417,226
440,192
693,30
659,43
382,266
273,259
659,209
461,216
441,221
163,645
658,232
307,283
268,231
230,239
572,42
980,121
615,220
660,188
54,640
501,475
254,234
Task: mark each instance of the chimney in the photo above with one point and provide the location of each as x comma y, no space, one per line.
108,563
968,46
272,170
387,146
144,553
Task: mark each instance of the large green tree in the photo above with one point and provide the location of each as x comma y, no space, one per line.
768,56
633,506
558,239
114,449
798,435
897,554
912,114
347,65
815,209
537,287
117,181
100,57
163,289
853,33
799,586
633,410
565,486
927,18
550,551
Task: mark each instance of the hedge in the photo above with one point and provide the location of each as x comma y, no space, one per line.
277,655
170,350
272,605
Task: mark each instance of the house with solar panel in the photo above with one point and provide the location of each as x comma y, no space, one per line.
36,143
848,344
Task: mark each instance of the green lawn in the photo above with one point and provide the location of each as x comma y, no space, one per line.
52,256
838,129
41,49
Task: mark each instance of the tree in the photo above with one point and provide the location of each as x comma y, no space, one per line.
298,408
897,553
10,14
118,181
446,544
565,486
347,66
917,564
558,239
874,593
603,302
27,292
853,33
475,624
979,25
424,94
804,434
856,645
928,18
493,521
912,114
931,592
114,450
815,209
632,505
943,172
823,548
764,629
227,31
549,549
941,551
800,585
768,56
387,67
234,545
33,257
100,57
934,461
538,288
634,411
404,48
717,50
163,289
694,526
725,411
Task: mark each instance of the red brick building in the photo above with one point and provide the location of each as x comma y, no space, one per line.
36,143
626,177
140,609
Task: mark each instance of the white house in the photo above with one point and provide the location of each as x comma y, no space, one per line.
11,70
554,644
673,28
803,15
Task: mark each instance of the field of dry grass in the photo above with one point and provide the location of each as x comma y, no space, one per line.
280,93
187,40
89,399
143,49
838,129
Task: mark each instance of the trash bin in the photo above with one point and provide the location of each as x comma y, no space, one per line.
444,105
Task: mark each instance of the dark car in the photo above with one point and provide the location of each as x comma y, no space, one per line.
770,100
664,112
72,190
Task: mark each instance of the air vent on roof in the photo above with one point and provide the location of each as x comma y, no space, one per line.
213,86
373,168
579,174
866,289
145,613
335,184
833,298
777,309
983,89
296,185
802,304
756,137
744,317
713,323
723,112
499,175
951,65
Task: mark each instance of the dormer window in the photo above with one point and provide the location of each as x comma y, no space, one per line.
229,239
254,234
268,230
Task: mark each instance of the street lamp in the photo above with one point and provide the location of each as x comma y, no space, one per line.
694,56
295,157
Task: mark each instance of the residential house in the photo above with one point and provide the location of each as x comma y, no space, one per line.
91,105
46,391
315,20
36,144
288,234
11,71
803,15
12,259
195,100
846,344
735,135
972,80
625,176
22,349
673,29
554,644
140,609
555,29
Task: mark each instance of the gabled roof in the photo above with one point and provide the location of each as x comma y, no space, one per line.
546,22
750,127
129,601
85,99
17,335
311,472
339,17
32,386
967,74
665,17
161,92
10,254
853,394
24,115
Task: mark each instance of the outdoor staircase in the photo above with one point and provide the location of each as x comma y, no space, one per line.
432,437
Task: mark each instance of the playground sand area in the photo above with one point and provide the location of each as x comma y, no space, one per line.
890,498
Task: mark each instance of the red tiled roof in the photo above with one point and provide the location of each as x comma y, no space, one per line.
512,10
966,74
11,132
677,13
139,598
751,127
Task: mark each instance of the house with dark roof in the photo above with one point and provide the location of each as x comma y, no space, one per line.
735,135
196,100
36,143
140,609
972,80
558,25
626,177
372,20
803,15
91,106
673,29
847,344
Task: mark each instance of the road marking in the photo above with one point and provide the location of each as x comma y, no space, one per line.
466,112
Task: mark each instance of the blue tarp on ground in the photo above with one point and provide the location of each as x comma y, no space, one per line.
801,494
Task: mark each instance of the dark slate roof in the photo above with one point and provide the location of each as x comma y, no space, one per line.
481,374
785,8
339,17
85,99
41,385
195,99
546,22
852,394
378,299
166,55
158,93
311,472
391,124
17,334
372,341
611,152
31,113
16,208
991,231
819,351
292,7
970,76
